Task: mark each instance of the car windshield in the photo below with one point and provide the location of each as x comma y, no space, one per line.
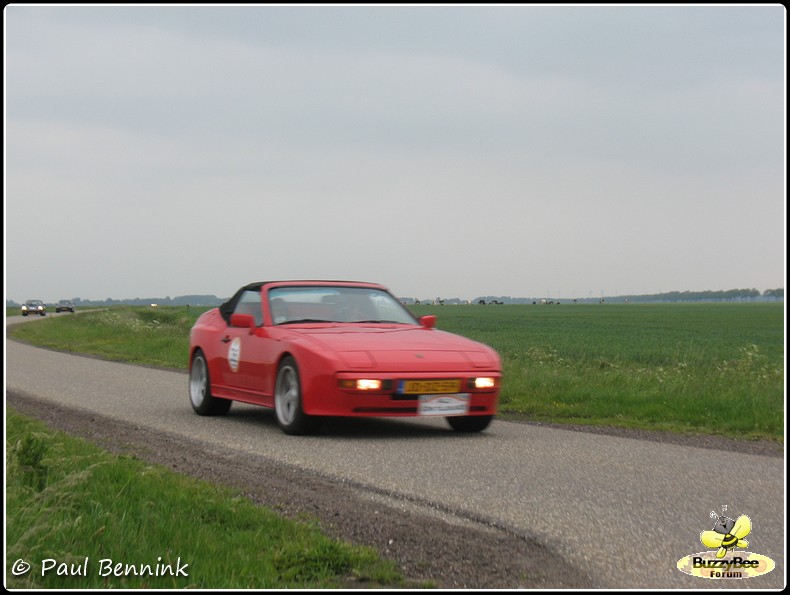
290,305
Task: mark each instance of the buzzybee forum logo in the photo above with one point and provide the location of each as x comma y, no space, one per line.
722,561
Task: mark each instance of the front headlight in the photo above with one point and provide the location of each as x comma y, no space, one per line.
360,384
365,385
484,382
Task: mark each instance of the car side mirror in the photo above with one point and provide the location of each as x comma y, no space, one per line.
242,320
428,321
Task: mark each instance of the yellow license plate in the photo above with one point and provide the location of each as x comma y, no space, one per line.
430,387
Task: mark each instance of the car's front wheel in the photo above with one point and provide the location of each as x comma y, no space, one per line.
203,402
469,423
288,401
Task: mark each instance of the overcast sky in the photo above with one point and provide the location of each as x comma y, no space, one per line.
444,151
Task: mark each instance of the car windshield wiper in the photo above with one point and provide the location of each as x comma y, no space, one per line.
300,320
377,322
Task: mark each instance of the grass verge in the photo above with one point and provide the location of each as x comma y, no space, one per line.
78,517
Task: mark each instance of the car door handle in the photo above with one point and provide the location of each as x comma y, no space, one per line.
226,339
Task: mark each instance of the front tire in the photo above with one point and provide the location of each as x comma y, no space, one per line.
469,423
203,402
288,401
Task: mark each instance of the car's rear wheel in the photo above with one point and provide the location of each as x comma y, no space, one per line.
469,423
203,402
288,401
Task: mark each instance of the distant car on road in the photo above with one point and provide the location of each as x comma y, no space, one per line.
64,306
311,349
34,307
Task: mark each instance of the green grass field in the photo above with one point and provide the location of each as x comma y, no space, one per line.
75,512
713,368
710,368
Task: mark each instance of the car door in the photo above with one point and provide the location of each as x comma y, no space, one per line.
248,358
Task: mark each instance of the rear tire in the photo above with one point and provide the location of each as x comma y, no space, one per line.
288,401
469,423
203,402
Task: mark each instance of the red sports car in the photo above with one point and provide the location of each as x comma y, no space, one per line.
310,349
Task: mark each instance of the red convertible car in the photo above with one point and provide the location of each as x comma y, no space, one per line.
311,349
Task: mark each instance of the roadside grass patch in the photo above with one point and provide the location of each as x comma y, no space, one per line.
140,335
70,502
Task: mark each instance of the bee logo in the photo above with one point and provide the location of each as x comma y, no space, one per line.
727,534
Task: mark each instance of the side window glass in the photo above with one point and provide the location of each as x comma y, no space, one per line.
250,303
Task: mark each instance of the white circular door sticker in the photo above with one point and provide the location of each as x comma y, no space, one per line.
234,354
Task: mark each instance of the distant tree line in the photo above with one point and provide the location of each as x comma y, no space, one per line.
182,300
730,295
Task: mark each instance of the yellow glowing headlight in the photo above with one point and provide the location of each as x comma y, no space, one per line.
485,382
360,384
366,384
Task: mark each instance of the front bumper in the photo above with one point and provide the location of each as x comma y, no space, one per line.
324,396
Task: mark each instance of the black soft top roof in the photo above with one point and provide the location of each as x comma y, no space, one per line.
228,307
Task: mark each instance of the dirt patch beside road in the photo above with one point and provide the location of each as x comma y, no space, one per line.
429,545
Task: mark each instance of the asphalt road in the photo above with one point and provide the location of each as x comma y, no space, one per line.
624,510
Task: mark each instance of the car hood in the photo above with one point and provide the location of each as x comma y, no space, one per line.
401,349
